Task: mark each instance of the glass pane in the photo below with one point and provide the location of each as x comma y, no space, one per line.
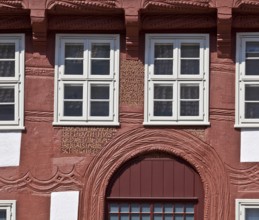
114,217
100,67
158,207
163,91
7,68
178,217
99,109
145,217
189,92
124,216
73,67
168,208
73,91
190,50
7,51
191,67
74,50
163,67
252,67
135,208
135,217
6,95
189,208
252,49
189,217
73,108
164,50
252,92
114,207
251,110
6,112
100,50
158,217
125,207
145,208
100,92
168,217
163,108
2,214
252,214
179,208
189,108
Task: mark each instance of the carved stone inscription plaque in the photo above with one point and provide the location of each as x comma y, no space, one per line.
85,140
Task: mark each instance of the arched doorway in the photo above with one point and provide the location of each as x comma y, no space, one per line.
155,186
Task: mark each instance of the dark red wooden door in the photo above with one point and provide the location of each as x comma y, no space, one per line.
154,179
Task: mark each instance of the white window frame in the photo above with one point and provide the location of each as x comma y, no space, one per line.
17,81
87,79
176,79
242,80
10,207
242,204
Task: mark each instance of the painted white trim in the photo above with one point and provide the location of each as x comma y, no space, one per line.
64,205
10,207
112,79
202,78
242,204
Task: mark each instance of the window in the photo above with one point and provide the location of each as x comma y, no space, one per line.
177,79
87,80
247,209
152,211
247,80
11,81
7,209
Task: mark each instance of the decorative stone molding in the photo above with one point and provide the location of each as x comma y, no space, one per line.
28,182
140,141
42,72
224,32
169,22
11,4
35,116
132,36
93,23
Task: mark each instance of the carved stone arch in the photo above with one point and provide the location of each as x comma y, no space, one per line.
141,141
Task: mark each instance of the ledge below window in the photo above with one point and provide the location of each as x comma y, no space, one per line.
167,123
13,128
246,125
86,124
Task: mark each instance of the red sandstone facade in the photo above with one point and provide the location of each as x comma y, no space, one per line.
87,158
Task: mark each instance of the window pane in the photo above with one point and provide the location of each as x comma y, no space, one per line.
100,67
251,110
135,217
189,217
145,208
7,51
168,217
168,208
6,112
189,108
73,91
73,108
252,67
163,67
124,216
125,207
158,217
163,108
158,207
190,50
100,92
135,208
146,217
99,109
73,67
191,67
189,208
163,91
7,68
100,50
179,208
252,49
251,214
114,207
189,92
164,50
2,214
6,95
252,92
114,217
74,50
178,217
